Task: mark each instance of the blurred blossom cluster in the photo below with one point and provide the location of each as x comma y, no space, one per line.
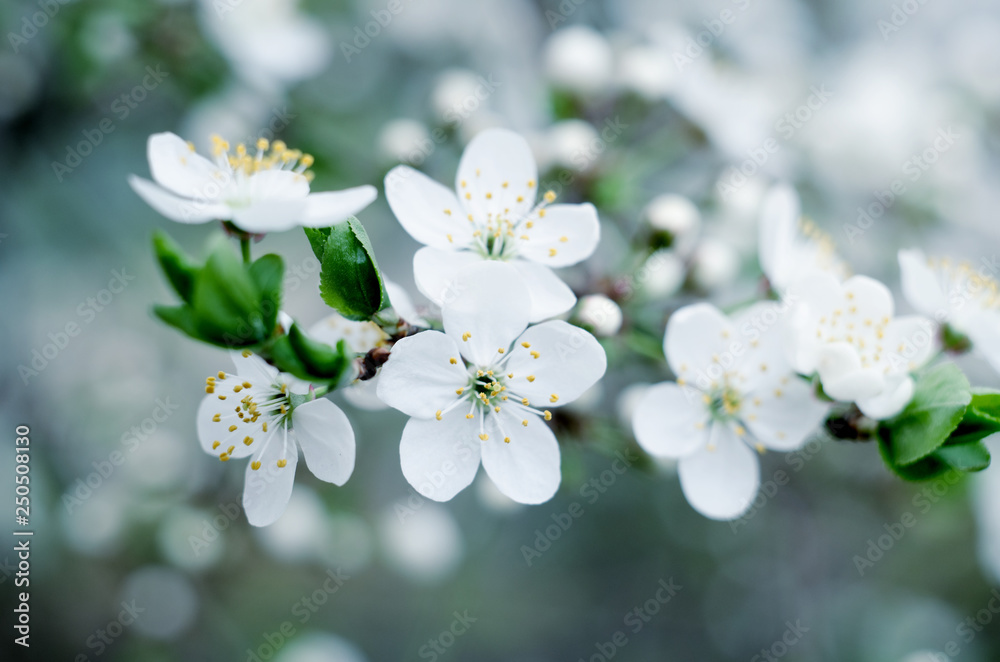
731,168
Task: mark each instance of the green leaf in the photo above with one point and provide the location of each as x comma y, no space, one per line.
319,358
317,240
985,406
925,469
939,402
268,273
226,301
965,457
350,280
179,317
179,269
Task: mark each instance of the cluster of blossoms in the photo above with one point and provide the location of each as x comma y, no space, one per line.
481,384
481,390
767,377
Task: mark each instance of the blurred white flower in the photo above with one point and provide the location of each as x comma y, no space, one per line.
459,94
662,274
320,647
578,59
470,390
168,600
675,215
646,70
270,43
424,543
714,264
493,218
847,333
267,192
961,295
601,314
735,388
405,140
266,425
791,248
569,144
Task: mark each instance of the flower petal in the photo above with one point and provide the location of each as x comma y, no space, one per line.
364,395
211,431
175,208
842,374
419,378
267,489
177,168
780,213
550,296
527,468
252,368
782,418
911,341
761,356
697,338
671,421
721,480
269,215
896,394
332,207
920,284
565,235
269,185
984,331
428,211
561,360
496,170
440,458
435,271
361,337
403,304
488,310
326,439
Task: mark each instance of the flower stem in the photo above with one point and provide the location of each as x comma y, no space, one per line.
245,248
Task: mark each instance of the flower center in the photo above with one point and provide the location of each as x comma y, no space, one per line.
497,236
964,283
724,403
268,156
250,414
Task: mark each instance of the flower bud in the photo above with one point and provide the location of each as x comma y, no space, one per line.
676,217
404,141
601,314
716,264
578,59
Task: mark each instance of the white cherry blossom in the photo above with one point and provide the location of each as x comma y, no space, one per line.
258,413
962,295
263,188
847,332
790,247
735,392
482,390
493,216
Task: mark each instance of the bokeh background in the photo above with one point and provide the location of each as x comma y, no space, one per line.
623,102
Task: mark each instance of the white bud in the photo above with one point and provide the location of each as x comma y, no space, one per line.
674,214
405,141
579,59
662,274
454,95
646,71
716,264
601,314
569,145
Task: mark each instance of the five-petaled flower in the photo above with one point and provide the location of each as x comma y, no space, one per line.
735,389
493,215
847,333
791,247
483,389
965,298
263,191
267,415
